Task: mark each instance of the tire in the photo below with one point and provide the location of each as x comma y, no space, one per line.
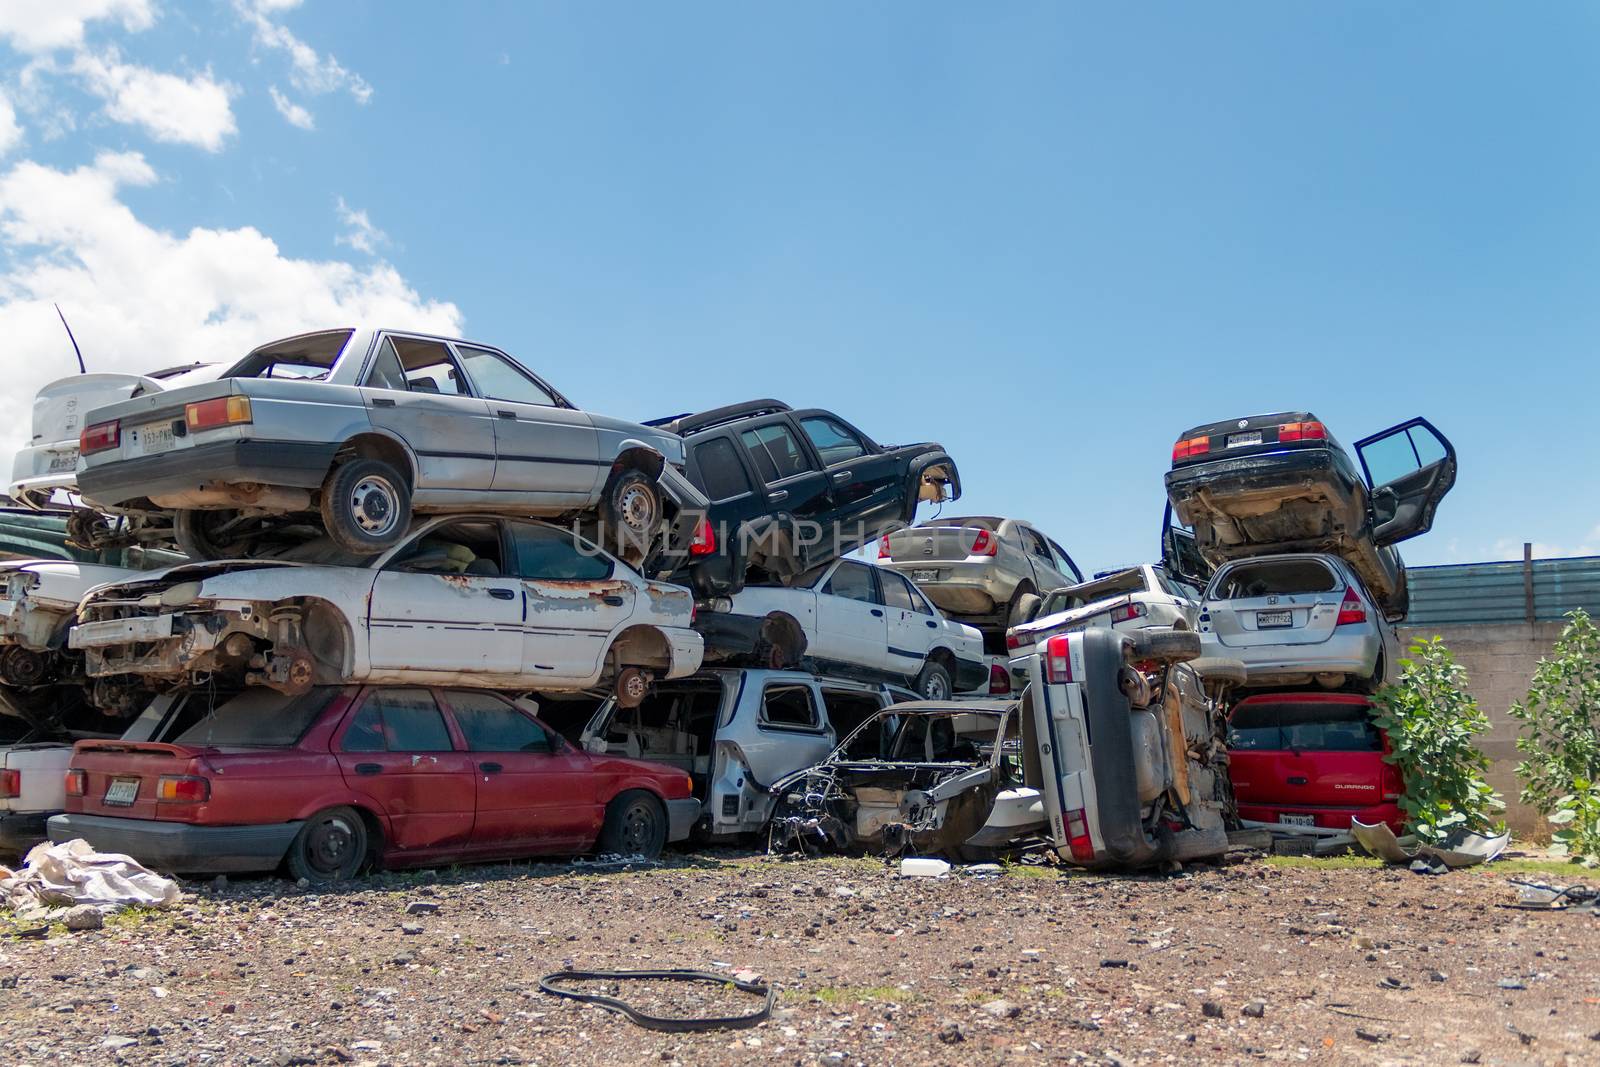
332,846
1164,646
934,682
631,509
1219,670
366,506
636,825
1024,608
194,531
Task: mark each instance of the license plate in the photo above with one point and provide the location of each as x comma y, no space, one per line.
924,576
155,437
1266,620
122,792
61,462
1297,820
1249,437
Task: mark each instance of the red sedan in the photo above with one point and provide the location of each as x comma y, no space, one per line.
338,779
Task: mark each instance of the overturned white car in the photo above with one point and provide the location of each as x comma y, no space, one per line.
475,600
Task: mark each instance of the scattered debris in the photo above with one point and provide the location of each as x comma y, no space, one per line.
1463,848
73,873
552,983
920,867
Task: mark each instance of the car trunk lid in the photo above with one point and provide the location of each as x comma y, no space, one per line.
1309,750
121,777
950,540
1291,601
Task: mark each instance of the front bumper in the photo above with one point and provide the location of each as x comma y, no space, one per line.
291,464
21,830
180,847
681,817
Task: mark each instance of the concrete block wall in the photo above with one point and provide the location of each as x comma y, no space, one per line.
1500,659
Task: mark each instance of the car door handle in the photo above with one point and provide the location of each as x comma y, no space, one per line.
490,768
382,402
369,768
503,594
614,601
930,624
778,495
1295,779
842,476
506,414
878,612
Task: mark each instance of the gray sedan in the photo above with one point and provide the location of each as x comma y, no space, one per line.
978,568
362,427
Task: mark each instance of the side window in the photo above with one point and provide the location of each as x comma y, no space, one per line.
776,453
416,365
1036,545
919,603
1064,562
833,442
547,554
720,469
365,732
896,593
407,720
497,379
792,706
491,725
456,548
1404,452
853,581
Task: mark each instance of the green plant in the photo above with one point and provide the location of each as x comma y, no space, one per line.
1432,723
1559,738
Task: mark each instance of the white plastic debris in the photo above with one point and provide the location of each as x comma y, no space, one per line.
1463,848
73,873
921,867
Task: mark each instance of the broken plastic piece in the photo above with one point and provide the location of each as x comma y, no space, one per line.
922,867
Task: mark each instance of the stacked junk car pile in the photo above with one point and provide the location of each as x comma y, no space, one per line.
374,598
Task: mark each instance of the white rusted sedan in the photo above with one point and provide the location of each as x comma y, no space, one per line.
479,600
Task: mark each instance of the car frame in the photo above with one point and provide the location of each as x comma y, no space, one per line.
978,568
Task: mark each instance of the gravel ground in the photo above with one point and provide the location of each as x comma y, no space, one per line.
1255,961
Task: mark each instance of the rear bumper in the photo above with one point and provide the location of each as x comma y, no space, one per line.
21,830
964,588
1326,818
681,817
1355,654
293,464
175,846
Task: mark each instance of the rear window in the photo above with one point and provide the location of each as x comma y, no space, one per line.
258,718
1274,578
309,356
721,472
1304,727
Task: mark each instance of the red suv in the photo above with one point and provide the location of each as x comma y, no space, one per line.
331,781
1311,759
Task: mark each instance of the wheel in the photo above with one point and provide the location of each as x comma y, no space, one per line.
199,534
636,825
1164,646
1220,670
934,682
632,686
631,510
366,506
331,847
1024,607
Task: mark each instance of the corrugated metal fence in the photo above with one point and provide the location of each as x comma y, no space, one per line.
1541,590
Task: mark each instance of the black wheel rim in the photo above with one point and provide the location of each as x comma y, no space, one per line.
330,845
639,828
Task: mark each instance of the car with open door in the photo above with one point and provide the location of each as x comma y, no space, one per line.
464,600
1282,483
792,489
337,779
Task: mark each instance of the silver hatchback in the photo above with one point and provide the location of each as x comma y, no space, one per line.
1298,619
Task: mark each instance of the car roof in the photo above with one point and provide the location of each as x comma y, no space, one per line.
957,520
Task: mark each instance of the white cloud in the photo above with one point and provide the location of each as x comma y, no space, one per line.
192,111
47,25
140,297
360,234
309,71
292,112
10,132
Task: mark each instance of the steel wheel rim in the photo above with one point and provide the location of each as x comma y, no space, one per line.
374,505
637,508
933,688
638,828
329,846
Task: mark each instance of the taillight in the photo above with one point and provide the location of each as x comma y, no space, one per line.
884,552
1129,611
99,437
1302,431
10,784
704,542
1058,659
77,783
1350,608
999,680
1392,785
1194,446
183,789
1015,641
1078,841
985,544
221,411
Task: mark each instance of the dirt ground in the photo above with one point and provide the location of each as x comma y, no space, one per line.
1262,960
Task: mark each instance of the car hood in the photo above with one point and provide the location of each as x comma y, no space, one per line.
155,581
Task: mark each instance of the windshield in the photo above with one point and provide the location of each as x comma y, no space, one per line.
309,357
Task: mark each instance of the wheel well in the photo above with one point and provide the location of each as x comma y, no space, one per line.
638,458
641,646
377,446
783,629
328,638
374,836
944,658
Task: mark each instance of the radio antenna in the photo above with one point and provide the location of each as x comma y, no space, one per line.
81,368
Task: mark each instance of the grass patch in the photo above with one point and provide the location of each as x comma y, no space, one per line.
1031,870
1347,862
1562,869
1552,868
885,994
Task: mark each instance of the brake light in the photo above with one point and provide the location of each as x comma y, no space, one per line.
10,784
1077,823
1392,785
884,552
183,789
985,544
999,680
99,437
220,411
1350,608
1302,431
77,783
1015,641
1129,611
1058,659
704,542
1194,446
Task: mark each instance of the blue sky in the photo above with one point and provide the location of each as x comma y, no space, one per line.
1048,236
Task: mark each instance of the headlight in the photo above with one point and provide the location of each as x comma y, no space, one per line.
180,595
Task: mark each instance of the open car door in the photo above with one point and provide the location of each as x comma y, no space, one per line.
1180,555
1410,468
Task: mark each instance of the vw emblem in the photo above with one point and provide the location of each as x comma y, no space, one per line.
1243,423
